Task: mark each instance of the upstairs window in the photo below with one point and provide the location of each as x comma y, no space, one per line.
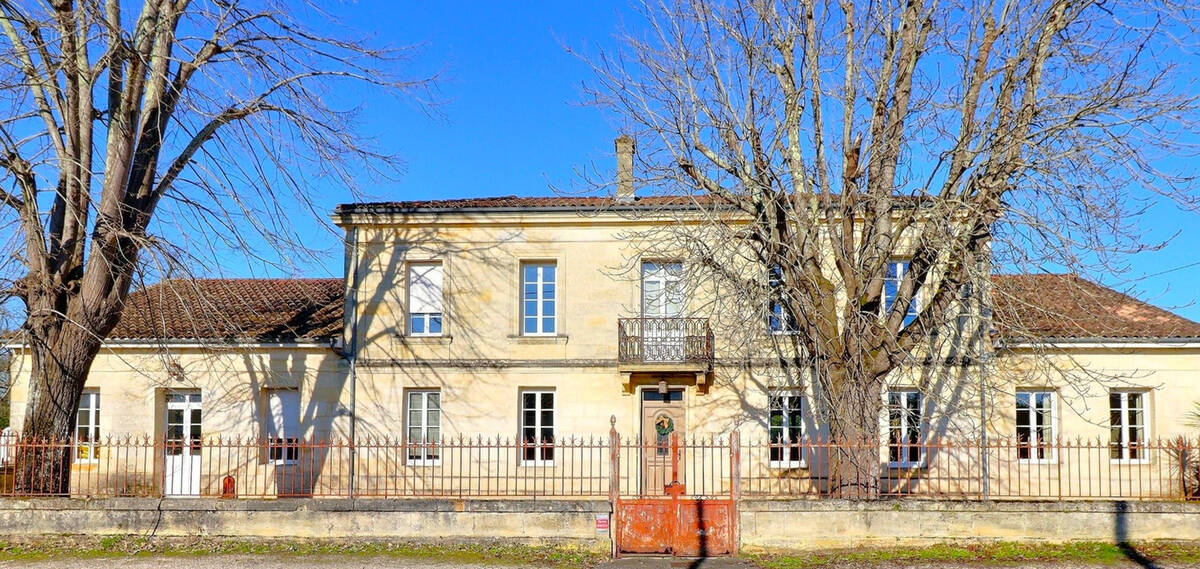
662,289
785,429
539,296
781,319
904,428
537,426
1035,425
891,289
425,299
283,425
87,427
1127,425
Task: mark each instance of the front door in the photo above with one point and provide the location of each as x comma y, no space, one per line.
182,453
663,421
662,309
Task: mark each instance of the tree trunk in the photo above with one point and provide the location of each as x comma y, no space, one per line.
61,355
853,408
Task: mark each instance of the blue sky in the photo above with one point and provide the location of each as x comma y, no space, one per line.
512,121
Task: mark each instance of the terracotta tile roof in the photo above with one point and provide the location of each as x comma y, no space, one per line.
1049,306
272,310
552,203
522,202
1044,306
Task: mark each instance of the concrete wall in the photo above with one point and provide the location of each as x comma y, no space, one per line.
766,525
794,525
524,521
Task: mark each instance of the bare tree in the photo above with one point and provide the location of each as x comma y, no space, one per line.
138,140
822,142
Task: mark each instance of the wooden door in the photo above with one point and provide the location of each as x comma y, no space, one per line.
663,418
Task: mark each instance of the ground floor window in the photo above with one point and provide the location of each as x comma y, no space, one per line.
87,427
1127,425
537,426
424,429
1035,425
904,427
785,428
283,425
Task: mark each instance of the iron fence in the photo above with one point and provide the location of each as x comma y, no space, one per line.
599,467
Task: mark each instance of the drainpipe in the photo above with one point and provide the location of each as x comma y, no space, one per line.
351,308
986,348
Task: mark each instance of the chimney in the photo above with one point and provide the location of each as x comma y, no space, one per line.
625,148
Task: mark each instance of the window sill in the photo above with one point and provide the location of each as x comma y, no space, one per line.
787,465
431,340
539,339
423,462
537,464
906,465
1129,461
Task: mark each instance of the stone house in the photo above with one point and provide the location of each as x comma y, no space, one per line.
533,320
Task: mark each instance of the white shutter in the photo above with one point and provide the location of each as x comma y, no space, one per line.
284,407
425,288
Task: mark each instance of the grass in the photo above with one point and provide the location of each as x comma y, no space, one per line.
1005,553
566,555
125,546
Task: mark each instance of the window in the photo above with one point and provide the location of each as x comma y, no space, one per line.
904,428
780,319
424,426
538,296
283,425
537,426
891,288
1035,425
1127,429
785,429
425,299
662,289
87,428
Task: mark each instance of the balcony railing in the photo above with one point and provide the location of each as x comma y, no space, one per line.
664,340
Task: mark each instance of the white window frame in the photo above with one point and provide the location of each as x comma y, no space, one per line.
432,453
1124,409
426,317
283,440
669,282
539,282
904,427
787,326
91,402
885,307
538,426
786,396
1051,444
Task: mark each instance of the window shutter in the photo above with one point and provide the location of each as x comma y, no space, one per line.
284,406
425,289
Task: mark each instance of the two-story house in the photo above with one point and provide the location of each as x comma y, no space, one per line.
533,320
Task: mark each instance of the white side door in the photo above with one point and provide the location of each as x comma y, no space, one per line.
182,468
662,308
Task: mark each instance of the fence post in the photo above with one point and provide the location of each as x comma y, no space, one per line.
735,487
614,479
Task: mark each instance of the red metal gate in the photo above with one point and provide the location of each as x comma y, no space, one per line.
676,523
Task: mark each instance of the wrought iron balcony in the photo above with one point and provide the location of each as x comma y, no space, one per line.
664,340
